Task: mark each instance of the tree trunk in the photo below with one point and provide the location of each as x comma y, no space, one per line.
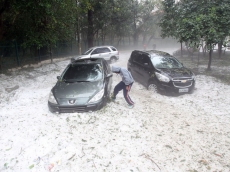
103,36
1,27
135,38
78,36
181,49
210,60
5,4
90,29
51,53
220,49
144,39
1,62
129,40
198,61
119,40
150,38
97,38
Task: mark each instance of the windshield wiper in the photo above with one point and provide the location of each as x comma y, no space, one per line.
82,81
68,81
73,80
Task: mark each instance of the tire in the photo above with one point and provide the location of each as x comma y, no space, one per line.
153,87
191,91
113,59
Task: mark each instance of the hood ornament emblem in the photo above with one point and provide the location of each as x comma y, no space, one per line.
71,102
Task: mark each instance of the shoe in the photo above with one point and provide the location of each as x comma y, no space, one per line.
112,97
130,106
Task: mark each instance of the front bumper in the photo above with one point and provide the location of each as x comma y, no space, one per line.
170,88
54,108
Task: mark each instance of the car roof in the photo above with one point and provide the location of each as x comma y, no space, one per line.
88,60
102,46
152,52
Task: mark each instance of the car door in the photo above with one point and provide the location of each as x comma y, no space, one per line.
145,69
135,65
105,53
108,78
95,53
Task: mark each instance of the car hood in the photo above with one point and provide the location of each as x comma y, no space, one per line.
82,56
79,92
177,72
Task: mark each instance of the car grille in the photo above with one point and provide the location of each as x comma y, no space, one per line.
72,109
182,82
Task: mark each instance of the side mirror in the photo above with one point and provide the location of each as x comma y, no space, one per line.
72,59
58,77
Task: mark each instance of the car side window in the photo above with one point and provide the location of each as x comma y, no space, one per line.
96,51
133,57
104,50
114,49
88,52
138,58
145,60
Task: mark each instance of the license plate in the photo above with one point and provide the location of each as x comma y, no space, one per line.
183,90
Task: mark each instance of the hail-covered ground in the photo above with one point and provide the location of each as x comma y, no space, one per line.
190,132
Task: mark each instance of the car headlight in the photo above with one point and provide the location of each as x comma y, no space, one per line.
52,98
161,77
98,96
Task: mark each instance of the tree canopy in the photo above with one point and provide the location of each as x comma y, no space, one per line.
37,23
41,23
44,22
193,21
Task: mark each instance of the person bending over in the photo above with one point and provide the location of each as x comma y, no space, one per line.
125,84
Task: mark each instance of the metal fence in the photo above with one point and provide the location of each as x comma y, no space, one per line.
13,54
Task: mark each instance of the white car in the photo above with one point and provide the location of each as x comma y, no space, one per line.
109,53
224,48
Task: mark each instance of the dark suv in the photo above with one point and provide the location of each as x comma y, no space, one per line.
160,72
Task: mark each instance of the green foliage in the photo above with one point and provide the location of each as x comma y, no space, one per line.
193,21
39,23
43,23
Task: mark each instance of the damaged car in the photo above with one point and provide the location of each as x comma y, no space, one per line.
84,86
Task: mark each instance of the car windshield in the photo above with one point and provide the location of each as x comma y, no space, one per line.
166,62
87,52
83,73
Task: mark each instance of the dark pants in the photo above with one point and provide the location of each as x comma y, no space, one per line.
121,85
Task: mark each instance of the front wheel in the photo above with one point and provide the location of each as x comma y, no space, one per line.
153,87
113,59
